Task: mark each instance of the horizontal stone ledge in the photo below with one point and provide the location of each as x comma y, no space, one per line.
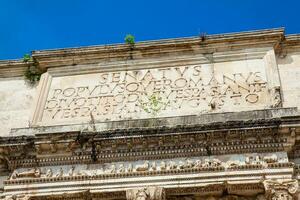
246,185
206,121
266,34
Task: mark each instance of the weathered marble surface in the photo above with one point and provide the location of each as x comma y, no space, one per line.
289,69
16,104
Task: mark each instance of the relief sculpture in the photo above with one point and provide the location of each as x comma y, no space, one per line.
153,166
31,173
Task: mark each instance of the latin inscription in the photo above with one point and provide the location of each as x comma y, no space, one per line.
151,92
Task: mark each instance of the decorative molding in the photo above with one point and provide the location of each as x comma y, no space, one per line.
147,168
75,148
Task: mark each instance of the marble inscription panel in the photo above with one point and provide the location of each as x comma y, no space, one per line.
157,92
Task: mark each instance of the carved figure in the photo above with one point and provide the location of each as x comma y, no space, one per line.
31,173
71,171
112,169
253,160
188,164
129,168
198,164
143,167
49,173
172,165
212,163
248,160
257,160
181,164
99,171
233,163
283,160
276,98
271,159
206,163
153,166
121,168
85,173
163,165
216,162
60,172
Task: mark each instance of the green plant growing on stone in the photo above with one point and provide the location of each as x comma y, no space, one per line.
129,39
154,105
27,58
32,73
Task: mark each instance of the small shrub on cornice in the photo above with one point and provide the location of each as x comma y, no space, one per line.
129,39
27,58
32,73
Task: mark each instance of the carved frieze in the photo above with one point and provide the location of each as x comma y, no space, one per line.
178,165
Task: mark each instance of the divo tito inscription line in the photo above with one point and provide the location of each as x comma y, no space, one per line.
120,94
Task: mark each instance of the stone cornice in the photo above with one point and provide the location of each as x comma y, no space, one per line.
212,120
162,143
214,134
12,68
215,44
291,43
150,49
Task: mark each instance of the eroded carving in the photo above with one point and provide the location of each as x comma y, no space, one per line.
153,166
30,173
60,172
148,193
280,189
276,97
143,167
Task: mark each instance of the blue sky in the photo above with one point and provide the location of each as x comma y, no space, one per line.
27,25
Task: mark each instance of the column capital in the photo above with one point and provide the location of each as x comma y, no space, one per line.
280,189
146,193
